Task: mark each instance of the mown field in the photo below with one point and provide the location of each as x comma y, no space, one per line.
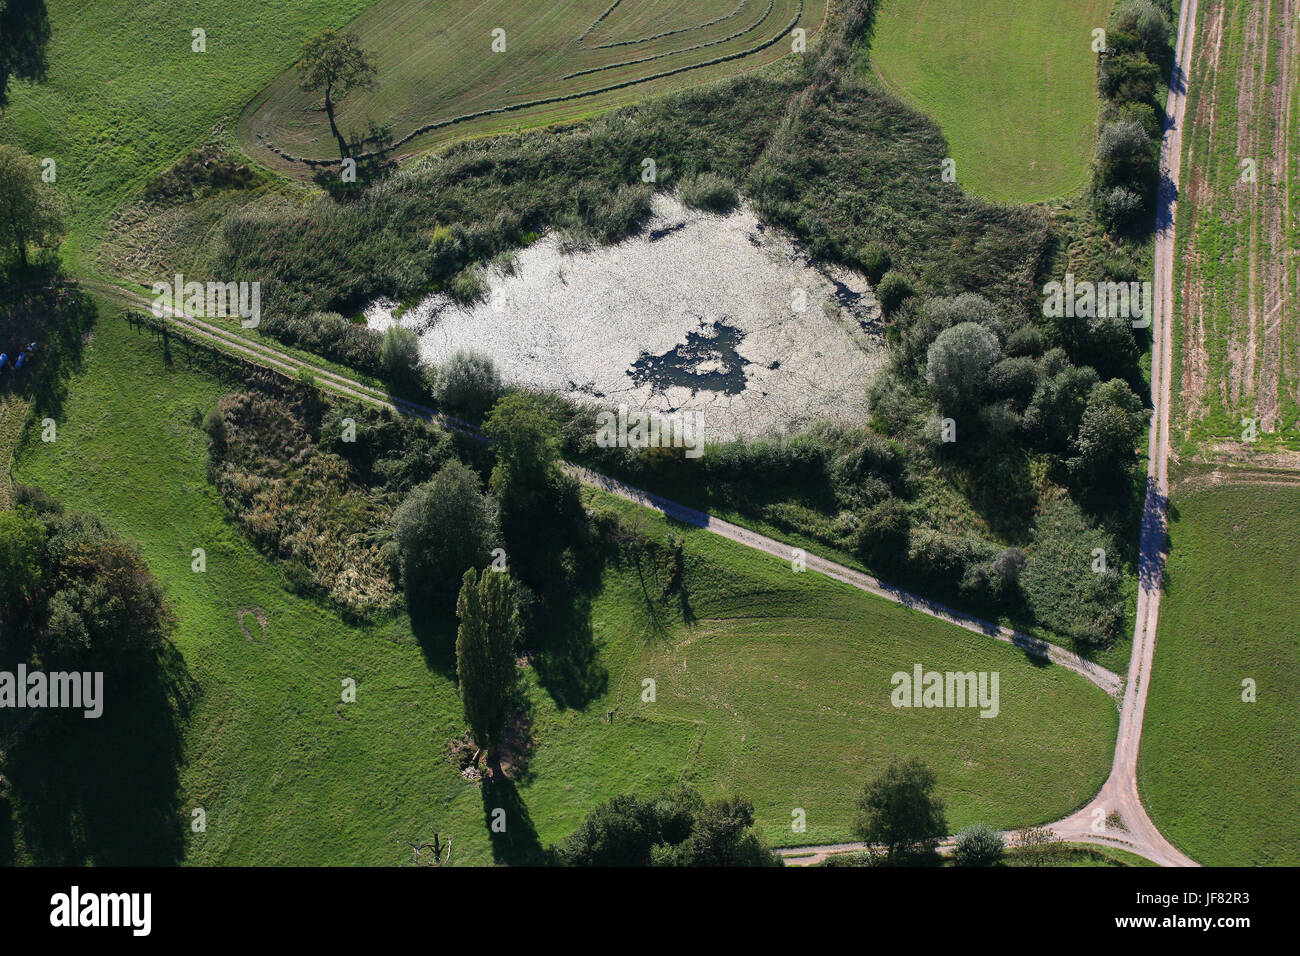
439,77
1220,776
126,95
1013,84
770,684
1237,241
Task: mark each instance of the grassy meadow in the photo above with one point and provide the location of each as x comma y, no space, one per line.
1013,84
769,684
127,95
1220,776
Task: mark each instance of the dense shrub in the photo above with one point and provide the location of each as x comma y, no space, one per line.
467,384
399,355
978,845
709,192
892,290
958,363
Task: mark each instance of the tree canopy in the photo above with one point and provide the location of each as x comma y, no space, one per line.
31,213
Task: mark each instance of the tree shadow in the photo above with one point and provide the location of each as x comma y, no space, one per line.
434,627
106,791
510,826
565,656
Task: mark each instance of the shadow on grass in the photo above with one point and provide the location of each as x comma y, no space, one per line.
510,826
105,791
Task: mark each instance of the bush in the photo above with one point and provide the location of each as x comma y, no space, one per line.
874,262
892,291
957,365
1126,156
1120,209
882,536
978,845
399,355
467,286
467,383
709,192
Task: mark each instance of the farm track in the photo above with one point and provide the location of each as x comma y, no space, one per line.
289,366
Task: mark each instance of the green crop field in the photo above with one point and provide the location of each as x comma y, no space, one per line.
439,76
777,688
1012,83
1220,776
1238,243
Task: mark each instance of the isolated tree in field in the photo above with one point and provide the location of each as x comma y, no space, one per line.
899,811
31,213
485,654
335,63
24,32
443,528
957,365
399,355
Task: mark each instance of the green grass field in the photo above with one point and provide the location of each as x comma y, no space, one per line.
436,63
1012,83
1221,777
126,95
777,689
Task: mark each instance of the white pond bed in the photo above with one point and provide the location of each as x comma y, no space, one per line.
709,313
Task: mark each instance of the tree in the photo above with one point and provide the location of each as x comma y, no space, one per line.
723,836
527,444
1127,157
24,33
443,528
399,355
485,654
978,845
1108,433
899,811
31,213
957,365
334,62
619,832
22,545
